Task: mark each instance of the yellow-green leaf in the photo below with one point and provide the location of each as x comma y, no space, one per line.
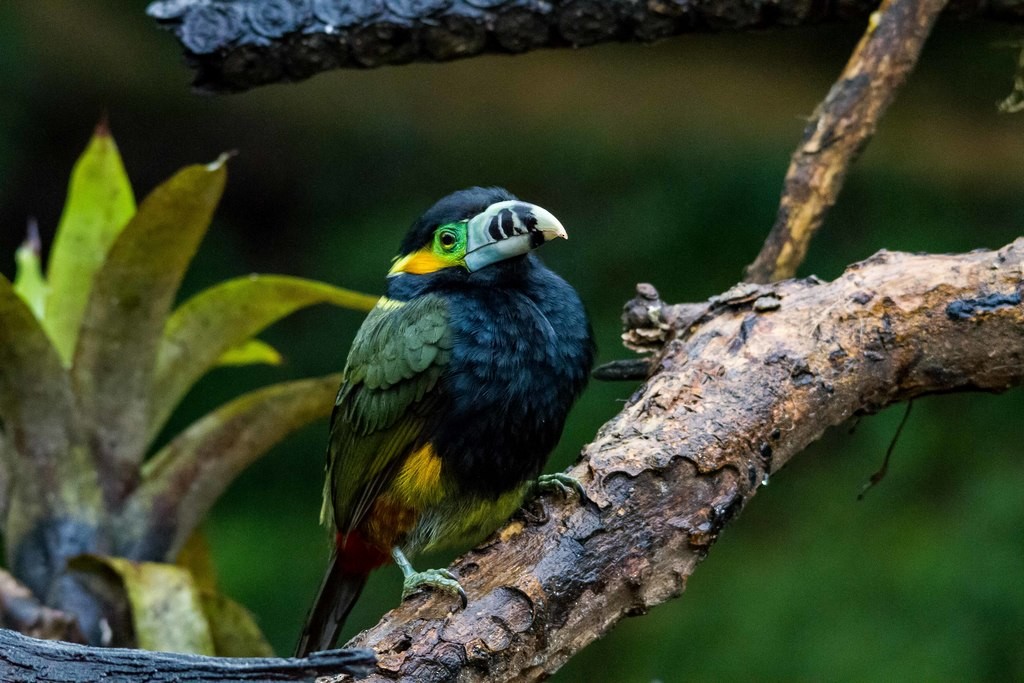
29,282
99,204
226,315
234,630
251,352
167,610
188,475
131,297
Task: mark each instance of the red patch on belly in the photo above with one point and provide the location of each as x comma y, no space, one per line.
369,546
356,555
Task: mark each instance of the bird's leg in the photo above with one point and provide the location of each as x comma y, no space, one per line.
439,579
560,483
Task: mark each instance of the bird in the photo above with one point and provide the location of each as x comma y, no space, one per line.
455,391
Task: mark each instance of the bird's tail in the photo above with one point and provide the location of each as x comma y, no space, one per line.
338,593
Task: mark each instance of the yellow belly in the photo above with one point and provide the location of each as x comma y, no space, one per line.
416,512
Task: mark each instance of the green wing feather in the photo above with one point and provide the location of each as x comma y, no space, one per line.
385,398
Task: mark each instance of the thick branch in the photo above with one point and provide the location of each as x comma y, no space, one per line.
28,660
742,384
239,44
840,130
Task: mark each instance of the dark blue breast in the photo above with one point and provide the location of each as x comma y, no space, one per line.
523,353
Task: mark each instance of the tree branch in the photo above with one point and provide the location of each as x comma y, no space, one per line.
841,128
28,660
739,389
239,44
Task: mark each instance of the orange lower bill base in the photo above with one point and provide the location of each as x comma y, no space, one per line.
421,262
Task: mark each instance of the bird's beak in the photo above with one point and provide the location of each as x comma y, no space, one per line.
508,229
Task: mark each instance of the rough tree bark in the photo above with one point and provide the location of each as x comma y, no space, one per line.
757,375
239,44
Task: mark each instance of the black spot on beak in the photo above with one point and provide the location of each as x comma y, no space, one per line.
508,223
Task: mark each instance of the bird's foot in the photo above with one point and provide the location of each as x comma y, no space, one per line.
438,579
560,483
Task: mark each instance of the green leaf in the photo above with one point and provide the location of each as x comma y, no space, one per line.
251,352
167,610
37,409
183,480
234,629
29,282
127,309
99,204
209,324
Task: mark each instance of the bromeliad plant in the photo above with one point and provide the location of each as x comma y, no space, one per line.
93,360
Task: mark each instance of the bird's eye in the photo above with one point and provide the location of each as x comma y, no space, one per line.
447,239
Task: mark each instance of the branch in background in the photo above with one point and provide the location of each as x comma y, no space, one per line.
841,128
29,660
239,44
736,393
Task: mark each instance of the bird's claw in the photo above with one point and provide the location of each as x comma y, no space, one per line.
438,579
561,483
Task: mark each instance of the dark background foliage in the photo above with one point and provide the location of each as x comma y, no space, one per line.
665,163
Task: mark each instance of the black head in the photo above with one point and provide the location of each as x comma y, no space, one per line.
479,235
458,206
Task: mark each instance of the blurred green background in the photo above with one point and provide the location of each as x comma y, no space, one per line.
665,164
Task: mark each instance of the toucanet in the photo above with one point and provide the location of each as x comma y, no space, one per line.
455,391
